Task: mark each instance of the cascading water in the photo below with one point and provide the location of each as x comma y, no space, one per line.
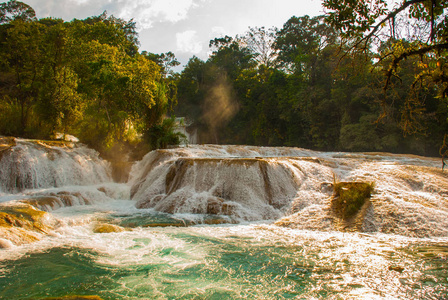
257,183
220,222
35,164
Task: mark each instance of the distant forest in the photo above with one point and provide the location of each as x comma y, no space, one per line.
334,83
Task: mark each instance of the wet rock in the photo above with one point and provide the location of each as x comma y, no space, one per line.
228,209
5,244
65,137
396,269
25,216
107,228
54,201
217,220
22,223
326,187
45,203
214,206
177,224
350,205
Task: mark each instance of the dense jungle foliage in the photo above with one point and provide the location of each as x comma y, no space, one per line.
357,79
83,77
325,83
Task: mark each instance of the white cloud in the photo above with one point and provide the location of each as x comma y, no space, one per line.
218,31
173,10
146,12
79,2
188,41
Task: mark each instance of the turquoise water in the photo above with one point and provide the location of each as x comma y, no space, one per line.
250,261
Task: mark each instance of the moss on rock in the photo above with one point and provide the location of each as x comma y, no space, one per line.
349,197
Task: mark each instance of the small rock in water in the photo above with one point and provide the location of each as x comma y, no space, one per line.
396,269
107,228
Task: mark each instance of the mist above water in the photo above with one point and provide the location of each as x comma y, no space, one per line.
219,107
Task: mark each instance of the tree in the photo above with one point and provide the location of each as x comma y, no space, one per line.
231,56
59,102
164,134
83,77
414,28
300,39
21,67
166,61
190,88
260,42
16,10
126,32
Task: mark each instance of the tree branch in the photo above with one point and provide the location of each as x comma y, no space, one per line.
406,54
391,15
371,34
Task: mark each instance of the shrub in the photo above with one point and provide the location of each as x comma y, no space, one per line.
162,135
349,197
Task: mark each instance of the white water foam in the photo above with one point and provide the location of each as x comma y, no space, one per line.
268,183
240,183
33,165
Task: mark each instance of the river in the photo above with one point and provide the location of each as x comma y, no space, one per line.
219,222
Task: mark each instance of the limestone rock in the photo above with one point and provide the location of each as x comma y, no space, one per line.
22,223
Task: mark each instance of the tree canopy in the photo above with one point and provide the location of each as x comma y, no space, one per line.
83,77
367,76
16,10
312,89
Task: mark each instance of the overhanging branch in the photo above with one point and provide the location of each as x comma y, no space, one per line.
406,54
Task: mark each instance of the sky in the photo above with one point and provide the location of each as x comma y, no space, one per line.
184,27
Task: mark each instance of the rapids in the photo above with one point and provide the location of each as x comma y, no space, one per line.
219,222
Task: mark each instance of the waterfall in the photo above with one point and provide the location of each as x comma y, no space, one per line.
27,164
246,188
293,186
190,133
